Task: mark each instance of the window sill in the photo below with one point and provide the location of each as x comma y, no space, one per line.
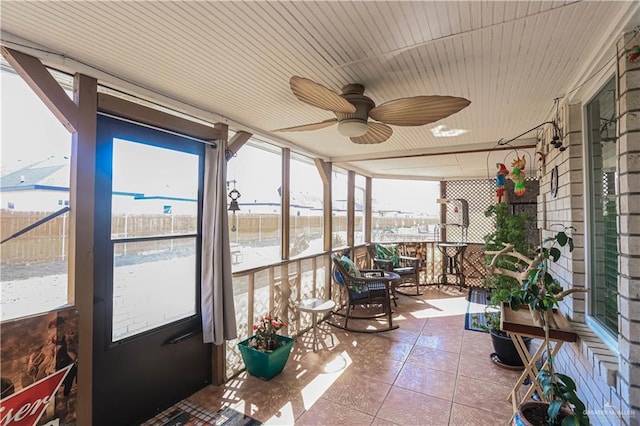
600,356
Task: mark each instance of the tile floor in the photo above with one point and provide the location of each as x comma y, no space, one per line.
430,371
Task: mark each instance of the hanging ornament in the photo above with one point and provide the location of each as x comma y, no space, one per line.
517,175
634,53
500,175
234,194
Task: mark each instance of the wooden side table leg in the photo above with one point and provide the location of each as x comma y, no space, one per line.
527,359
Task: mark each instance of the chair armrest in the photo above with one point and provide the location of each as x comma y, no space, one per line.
414,261
372,272
365,281
384,264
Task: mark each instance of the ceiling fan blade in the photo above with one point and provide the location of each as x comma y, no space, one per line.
377,133
306,127
319,96
417,110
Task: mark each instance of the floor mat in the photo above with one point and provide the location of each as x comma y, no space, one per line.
477,300
186,413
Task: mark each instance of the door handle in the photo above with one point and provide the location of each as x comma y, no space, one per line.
181,338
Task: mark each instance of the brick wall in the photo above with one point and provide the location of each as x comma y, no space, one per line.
629,227
609,383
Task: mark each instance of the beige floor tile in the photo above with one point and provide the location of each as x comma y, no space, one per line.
406,407
357,391
382,347
476,344
426,380
462,415
434,358
484,369
380,368
269,403
382,422
326,412
483,394
449,343
401,336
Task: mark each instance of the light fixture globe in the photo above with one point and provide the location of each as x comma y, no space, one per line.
352,127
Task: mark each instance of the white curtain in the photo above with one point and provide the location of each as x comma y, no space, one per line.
218,313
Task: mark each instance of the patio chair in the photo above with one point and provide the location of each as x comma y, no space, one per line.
367,288
387,258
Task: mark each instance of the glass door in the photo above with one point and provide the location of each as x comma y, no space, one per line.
148,350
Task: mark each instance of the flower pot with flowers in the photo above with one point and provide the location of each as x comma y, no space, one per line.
266,352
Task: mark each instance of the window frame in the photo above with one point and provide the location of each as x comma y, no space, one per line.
605,334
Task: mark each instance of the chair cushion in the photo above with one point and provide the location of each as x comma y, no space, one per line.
350,267
389,252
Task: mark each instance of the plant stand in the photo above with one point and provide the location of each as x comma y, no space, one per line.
266,365
519,324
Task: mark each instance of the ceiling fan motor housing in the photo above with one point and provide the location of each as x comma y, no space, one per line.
355,124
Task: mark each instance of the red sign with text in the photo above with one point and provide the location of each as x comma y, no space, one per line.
27,406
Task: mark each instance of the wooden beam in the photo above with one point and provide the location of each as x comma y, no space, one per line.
143,114
81,235
219,132
45,87
443,210
367,212
218,373
351,207
285,199
237,141
324,169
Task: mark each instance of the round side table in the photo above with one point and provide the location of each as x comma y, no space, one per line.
315,306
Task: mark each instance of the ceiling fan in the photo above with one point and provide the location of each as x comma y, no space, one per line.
353,109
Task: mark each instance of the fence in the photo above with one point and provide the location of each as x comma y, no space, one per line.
46,243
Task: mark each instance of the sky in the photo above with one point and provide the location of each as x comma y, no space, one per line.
23,140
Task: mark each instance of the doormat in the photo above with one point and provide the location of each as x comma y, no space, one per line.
477,300
186,413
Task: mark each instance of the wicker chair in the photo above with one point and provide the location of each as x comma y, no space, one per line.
370,289
409,269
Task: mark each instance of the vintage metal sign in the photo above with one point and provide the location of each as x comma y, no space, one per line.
27,406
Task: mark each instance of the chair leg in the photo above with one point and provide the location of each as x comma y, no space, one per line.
389,313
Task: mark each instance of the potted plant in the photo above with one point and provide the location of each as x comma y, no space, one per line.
505,353
509,229
542,292
266,352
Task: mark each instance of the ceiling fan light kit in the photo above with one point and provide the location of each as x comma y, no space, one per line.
353,110
352,127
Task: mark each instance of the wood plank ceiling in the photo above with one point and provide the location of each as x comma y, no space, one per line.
233,59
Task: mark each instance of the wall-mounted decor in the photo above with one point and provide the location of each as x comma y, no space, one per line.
554,182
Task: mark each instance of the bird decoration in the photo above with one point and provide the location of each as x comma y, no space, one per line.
500,175
634,53
517,175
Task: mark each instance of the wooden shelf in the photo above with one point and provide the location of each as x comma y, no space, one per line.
520,322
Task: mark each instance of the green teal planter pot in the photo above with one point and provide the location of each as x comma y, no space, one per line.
266,365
